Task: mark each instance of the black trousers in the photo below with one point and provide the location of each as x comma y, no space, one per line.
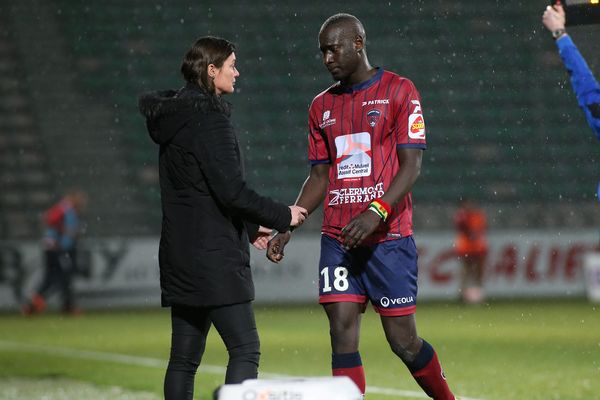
58,274
190,326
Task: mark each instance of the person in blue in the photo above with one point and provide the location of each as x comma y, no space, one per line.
586,87
62,227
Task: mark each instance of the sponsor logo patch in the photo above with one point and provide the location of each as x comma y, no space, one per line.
416,123
353,155
386,302
326,121
355,195
375,102
272,394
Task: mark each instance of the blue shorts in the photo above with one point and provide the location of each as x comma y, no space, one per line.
384,273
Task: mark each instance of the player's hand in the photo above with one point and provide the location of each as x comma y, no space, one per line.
359,229
554,17
262,238
276,245
299,214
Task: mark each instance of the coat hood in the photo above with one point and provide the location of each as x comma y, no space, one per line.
168,111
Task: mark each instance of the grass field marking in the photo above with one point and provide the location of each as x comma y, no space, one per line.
406,393
158,363
100,356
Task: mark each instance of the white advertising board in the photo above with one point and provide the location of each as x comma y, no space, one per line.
124,272
320,388
592,276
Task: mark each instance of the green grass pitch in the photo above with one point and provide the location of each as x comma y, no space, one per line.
503,350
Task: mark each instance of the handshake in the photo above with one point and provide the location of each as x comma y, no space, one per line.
299,214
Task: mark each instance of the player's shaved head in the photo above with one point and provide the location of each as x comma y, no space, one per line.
342,44
348,24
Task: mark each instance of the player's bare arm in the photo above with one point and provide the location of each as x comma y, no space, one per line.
311,196
367,222
314,188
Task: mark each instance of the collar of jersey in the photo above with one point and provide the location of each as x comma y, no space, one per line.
365,84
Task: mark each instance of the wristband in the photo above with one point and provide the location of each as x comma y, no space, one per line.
381,208
380,211
373,209
385,205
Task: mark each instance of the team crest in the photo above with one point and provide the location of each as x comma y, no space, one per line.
373,117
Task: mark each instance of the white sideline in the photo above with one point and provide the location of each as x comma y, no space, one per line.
158,363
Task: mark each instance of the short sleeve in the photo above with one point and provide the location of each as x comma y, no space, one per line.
410,123
318,152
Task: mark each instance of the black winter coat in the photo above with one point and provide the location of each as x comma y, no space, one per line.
207,206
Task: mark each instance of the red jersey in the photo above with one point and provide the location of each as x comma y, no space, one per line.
357,130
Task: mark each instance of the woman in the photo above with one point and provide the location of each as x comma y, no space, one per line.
209,217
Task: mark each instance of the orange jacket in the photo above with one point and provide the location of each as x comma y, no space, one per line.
471,236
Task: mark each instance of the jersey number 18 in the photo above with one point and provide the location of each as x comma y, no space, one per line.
340,282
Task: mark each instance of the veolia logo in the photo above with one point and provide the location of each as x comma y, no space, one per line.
385,302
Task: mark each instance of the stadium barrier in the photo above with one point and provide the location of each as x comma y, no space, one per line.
592,276
330,388
124,272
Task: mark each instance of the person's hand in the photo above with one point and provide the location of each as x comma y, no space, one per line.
359,229
554,17
276,246
299,214
262,238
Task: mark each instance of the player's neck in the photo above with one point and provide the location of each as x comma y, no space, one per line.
362,74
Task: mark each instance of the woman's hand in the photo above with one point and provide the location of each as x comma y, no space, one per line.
299,214
262,238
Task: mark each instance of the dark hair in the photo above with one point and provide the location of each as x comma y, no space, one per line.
207,50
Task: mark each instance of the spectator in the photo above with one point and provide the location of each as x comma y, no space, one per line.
471,247
62,227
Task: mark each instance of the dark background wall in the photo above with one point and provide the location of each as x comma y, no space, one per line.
503,125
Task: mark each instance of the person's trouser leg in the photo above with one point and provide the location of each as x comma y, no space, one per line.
48,283
190,326
51,271
65,277
237,327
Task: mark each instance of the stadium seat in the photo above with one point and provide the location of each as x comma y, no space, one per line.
503,125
